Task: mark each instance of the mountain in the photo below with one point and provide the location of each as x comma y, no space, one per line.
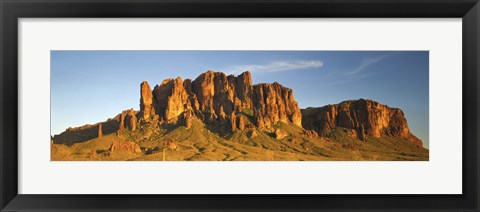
365,118
218,100
225,117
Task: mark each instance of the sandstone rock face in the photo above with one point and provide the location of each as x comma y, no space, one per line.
170,99
241,122
127,120
216,96
217,99
100,132
274,103
146,101
121,122
365,117
243,90
132,120
188,122
233,122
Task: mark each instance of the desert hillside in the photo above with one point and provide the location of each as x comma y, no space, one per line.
227,118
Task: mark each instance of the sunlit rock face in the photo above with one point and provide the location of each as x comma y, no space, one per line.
219,99
366,117
127,120
146,101
274,103
170,99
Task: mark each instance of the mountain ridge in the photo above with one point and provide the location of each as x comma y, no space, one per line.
238,111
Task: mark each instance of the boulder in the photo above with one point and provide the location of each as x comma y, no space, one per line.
280,134
127,146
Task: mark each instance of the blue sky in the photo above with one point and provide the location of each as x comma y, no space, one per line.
91,86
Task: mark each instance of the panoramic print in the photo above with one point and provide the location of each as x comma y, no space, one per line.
239,106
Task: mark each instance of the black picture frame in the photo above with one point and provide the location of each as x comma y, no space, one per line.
12,10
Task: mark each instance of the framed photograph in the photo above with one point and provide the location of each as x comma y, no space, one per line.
239,105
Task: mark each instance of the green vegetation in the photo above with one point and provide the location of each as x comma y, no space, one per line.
248,111
200,144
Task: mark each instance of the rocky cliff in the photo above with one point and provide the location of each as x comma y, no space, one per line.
274,103
365,117
220,100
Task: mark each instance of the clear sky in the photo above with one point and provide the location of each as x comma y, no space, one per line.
91,86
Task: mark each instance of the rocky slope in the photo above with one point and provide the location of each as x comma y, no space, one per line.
365,118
